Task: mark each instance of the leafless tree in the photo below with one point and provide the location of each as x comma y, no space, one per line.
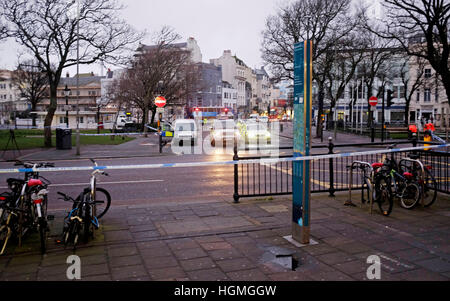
346,55
323,21
412,80
421,28
161,68
32,82
51,34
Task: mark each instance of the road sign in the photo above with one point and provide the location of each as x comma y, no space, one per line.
373,101
160,101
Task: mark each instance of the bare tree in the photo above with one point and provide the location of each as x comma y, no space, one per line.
32,83
421,28
323,21
412,81
346,55
161,68
51,35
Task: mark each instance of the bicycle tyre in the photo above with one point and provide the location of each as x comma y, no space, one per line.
410,196
87,221
430,189
102,195
383,195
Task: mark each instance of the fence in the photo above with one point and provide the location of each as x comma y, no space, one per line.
327,175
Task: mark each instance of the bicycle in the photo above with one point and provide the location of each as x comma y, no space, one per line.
86,210
28,201
374,184
427,183
404,184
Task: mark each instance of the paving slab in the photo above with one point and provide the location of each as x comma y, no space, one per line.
241,242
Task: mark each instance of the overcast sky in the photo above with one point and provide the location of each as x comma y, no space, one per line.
217,25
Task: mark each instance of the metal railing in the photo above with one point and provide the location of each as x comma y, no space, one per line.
327,175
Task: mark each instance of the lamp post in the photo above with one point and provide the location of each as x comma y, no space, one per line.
78,82
66,94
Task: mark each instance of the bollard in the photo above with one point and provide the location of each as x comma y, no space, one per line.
236,176
331,169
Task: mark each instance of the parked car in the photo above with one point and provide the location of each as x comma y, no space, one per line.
184,129
254,132
225,131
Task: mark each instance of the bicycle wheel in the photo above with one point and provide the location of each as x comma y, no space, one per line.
409,196
429,189
102,201
383,195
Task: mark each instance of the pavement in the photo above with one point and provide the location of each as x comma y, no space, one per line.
221,240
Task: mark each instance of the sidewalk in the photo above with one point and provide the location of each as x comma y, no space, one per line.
227,241
139,147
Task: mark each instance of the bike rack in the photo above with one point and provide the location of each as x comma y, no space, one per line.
359,164
421,175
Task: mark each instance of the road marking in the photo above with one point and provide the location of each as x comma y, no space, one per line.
103,183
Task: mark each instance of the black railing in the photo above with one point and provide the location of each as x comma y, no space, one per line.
327,175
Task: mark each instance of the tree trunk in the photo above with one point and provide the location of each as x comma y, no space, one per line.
319,125
406,113
33,115
49,117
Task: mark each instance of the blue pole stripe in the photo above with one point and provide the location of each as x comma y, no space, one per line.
214,163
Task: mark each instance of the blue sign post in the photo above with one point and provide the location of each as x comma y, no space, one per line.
302,141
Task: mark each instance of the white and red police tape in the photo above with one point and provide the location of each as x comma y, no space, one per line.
214,163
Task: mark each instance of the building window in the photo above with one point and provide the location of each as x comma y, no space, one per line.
427,95
427,73
80,120
418,97
436,95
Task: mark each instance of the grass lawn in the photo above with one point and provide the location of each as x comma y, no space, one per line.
27,139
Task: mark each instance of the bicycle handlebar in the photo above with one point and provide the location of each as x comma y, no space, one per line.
33,165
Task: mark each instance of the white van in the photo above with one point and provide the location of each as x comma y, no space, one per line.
254,116
185,129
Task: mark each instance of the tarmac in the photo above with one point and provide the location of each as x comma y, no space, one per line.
247,241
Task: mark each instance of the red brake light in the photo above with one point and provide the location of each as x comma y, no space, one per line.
39,201
429,167
2,198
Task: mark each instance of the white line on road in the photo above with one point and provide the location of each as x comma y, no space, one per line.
102,183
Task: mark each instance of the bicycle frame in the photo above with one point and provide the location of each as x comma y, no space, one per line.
362,165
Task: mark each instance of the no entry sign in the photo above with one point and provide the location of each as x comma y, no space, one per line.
160,101
373,101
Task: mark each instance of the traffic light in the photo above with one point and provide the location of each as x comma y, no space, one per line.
196,109
226,110
389,97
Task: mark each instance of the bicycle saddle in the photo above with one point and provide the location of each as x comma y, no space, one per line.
12,181
377,165
408,175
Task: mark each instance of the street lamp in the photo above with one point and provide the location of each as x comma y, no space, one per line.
66,94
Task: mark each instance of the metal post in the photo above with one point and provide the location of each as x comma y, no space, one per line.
236,176
382,119
77,140
66,92
331,169
159,132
